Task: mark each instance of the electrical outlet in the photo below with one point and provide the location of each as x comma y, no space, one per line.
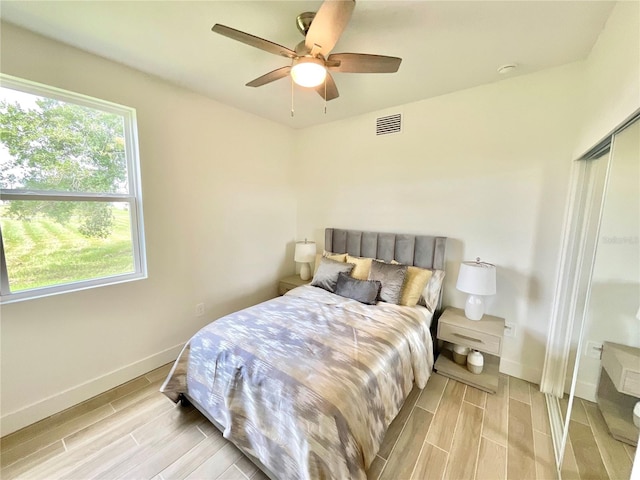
509,330
593,350
199,309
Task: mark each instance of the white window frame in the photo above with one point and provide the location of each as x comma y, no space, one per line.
133,198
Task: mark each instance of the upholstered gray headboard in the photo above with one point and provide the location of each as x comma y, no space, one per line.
420,250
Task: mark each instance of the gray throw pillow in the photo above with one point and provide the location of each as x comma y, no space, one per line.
364,291
327,274
392,279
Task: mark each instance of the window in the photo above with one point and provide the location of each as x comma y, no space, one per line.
70,201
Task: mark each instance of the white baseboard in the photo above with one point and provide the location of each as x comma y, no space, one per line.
18,419
586,391
516,369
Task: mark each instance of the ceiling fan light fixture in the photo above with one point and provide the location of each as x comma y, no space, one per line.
308,71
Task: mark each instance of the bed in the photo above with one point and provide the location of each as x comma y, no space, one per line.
307,384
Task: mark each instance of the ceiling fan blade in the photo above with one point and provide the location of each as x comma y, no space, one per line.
332,90
363,63
252,40
328,25
270,77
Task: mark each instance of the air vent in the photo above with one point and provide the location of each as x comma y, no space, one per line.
389,124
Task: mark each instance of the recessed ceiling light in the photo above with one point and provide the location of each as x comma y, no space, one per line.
508,68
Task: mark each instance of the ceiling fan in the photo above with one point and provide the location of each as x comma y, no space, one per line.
311,59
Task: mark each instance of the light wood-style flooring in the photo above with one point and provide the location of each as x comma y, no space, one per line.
591,453
448,430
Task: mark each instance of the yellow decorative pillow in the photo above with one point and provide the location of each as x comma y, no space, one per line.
362,267
338,257
414,283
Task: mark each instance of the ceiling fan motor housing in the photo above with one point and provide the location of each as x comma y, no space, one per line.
303,22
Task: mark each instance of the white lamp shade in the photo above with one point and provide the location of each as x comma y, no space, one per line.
305,252
477,278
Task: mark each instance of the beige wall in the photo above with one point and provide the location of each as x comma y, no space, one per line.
487,167
219,215
612,78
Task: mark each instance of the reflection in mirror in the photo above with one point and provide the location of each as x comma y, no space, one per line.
602,435
601,439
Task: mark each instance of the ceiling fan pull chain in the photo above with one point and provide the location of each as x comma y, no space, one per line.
291,95
325,96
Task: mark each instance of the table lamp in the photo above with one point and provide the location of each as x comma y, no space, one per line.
478,279
304,254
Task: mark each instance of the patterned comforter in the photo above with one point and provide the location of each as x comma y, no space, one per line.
307,383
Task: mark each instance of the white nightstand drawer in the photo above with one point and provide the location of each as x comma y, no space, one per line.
475,339
631,384
622,363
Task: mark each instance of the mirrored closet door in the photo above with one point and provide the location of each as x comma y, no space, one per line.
592,370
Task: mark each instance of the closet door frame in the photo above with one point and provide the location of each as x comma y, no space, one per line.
585,205
582,223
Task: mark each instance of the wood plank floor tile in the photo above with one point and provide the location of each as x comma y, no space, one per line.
102,461
466,443
432,393
49,423
545,456
59,465
407,450
393,432
182,467
246,466
614,455
441,431
519,390
430,464
161,455
496,413
585,449
539,411
122,421
475,396
136,396
154,451
159,373
577,411
209,429
631,451
167,420
520,453
376,468
19,468
260,475
232,473
569,470
215,465
492,461
55,434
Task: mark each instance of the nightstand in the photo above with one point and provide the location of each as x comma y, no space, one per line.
619,390
483,335
289,283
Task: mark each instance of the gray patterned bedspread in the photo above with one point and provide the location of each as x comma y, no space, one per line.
307,383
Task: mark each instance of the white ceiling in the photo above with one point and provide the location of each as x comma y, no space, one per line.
445,46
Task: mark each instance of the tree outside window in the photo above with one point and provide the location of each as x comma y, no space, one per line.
70,208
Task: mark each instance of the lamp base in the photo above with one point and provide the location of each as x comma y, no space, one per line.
305,271
474,307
